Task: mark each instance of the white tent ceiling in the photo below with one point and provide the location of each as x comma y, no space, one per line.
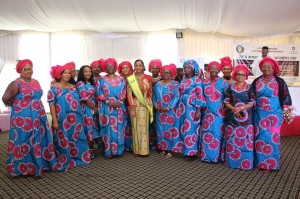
255,18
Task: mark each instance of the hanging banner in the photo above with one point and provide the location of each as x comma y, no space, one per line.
251,54
199,60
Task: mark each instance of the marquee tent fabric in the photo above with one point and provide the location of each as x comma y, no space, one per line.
253,18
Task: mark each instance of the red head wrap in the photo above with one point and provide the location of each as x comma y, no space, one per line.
273,63
226,61
95,63
214,63
61,69
123,64
70,65
53,70
110,61
22,63
171,67
101,63
155,62
241,67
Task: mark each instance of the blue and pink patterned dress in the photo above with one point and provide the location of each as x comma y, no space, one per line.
191,98
213,127
30,147
70,141
267,122
239,136
166,95
91,124
112,121
128,128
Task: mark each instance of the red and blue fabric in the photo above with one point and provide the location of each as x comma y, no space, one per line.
70,141
30,147
166,96
112,121
191,98
213,127
267,120
91,124
239,136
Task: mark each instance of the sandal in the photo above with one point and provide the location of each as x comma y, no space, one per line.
169,155
135,155
162,154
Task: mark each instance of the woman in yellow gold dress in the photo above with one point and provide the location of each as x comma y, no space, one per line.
139,96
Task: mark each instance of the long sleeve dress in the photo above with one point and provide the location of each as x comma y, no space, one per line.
239,136
213,120
140,123
191,98
271,98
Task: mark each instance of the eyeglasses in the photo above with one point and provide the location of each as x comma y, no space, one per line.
267,67
27,69
241,74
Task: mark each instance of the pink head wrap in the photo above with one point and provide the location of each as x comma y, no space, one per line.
226,61
214,63
273,63
59,70
53,70
110,61
71,65
241,67
155,62
22,63
95,63
171,67
123,64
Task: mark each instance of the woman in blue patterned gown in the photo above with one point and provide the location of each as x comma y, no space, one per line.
239,136
213,127
111,94
30,147
188,111
87,92
165,98
69,139
272,100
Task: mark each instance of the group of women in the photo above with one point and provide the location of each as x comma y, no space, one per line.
221,118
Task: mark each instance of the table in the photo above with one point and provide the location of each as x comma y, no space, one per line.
291,129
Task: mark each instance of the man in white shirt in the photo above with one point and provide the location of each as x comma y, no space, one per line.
255,65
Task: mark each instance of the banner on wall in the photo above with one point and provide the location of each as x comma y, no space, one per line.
199,60
288,57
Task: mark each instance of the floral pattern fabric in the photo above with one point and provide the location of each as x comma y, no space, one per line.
213,127
70,142
30,147
112,121
239,136
166,96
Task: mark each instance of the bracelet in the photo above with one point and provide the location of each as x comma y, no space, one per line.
106,101
121,102
243,108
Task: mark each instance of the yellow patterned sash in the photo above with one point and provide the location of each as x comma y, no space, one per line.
135,87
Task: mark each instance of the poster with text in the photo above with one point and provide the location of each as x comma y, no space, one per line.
286,55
